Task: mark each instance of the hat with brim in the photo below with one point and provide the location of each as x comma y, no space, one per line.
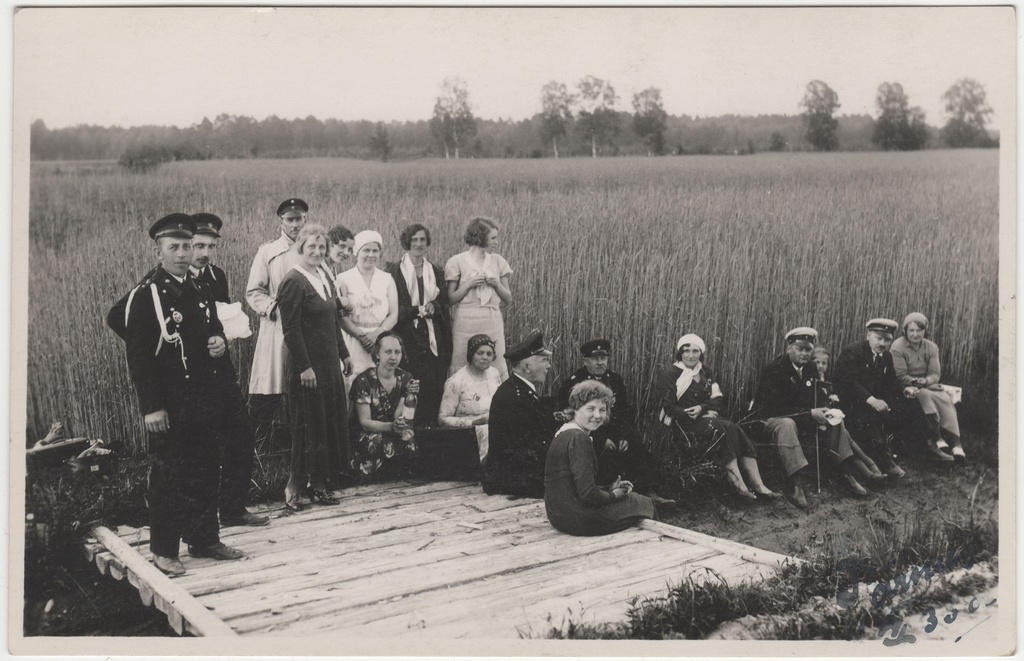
596,348
292,204
803,336
176,225
533,345
882,325
207,223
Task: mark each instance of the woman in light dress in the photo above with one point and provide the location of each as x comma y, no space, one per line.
466,401
477,286
374,300
916,361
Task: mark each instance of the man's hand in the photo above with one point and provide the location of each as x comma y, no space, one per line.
217,346
819,416
308,378
878,405
693,411
609,445
481,420
157,422
623,445
711,414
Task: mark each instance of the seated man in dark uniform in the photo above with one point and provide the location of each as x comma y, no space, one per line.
521,424
620,452
787,397
174,345
867,385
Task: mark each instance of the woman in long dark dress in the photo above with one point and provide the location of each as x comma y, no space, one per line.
316,391
574,503
423,321
690,401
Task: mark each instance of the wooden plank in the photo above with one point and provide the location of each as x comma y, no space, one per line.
726,546
380,584
176,599
603,572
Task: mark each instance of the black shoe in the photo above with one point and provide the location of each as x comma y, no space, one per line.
246,519
323,497
795,494
218,551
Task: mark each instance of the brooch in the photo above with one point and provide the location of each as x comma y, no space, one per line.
176,316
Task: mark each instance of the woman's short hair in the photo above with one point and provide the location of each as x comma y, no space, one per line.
475,343
375,351
478,230
915,318
587,391
309,232
340,233
406,236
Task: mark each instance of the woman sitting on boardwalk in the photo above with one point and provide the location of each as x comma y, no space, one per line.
316,391
467,393
575,504
690,401
377,423
916,361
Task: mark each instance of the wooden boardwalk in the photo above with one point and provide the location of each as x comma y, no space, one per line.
439,560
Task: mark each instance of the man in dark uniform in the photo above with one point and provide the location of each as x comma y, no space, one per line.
868,388
240,442
204,247
521,424
619,450
787,397
173,342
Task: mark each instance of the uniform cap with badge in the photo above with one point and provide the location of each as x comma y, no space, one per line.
803,336
882,325
533,345
596,348
292,204
207,223
176,225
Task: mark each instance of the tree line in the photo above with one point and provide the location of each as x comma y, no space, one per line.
586,120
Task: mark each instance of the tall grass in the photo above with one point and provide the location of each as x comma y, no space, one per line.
638,250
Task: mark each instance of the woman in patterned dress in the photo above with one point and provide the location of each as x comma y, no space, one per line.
377,426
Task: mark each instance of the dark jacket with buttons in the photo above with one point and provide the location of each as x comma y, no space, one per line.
783,390
520,426
180,378
217,281
858,377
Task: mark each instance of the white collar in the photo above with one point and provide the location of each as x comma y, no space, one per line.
527,382
194,271
180,280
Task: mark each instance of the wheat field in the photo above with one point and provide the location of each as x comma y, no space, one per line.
638,250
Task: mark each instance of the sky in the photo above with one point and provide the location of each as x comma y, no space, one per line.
174,66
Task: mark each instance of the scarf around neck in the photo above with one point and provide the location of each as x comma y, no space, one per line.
430,292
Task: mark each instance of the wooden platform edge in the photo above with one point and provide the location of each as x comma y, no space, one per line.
181,608
742,551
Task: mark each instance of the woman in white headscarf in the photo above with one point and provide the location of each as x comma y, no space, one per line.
371,293
423,322
690,403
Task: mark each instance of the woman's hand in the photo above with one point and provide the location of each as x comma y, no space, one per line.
414,387
935,386
428,309
621,486
476,280
346,366
693,411
711,414
492,281
365,341
481,420
308,378
399,425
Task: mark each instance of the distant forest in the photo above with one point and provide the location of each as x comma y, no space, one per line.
230,136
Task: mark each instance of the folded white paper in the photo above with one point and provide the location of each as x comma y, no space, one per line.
235,322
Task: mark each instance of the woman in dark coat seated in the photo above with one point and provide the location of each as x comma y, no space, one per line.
574,503
690,401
